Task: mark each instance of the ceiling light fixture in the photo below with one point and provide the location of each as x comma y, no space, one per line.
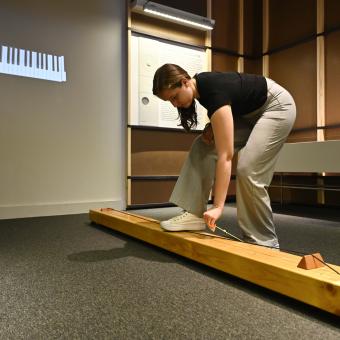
172,14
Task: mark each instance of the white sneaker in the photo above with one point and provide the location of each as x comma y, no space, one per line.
185,221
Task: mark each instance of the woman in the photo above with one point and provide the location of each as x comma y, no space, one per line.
249,114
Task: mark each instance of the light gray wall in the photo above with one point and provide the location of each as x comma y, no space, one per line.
310,157
62,145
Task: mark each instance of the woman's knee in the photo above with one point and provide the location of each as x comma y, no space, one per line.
243,170
200,148
202,155
196,144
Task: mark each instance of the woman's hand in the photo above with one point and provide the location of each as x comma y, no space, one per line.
208,135
211,216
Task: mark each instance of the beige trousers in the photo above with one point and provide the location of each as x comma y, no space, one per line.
258,139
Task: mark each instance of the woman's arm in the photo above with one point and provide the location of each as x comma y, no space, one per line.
223,128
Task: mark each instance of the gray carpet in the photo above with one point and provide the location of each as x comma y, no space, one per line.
63,278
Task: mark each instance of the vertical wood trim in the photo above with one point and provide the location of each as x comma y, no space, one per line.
240,64
240,60
129,75
128,135
128,166
209,59
265,66
128,106
320,84
320,17
241,27
129,38
265,38
208,38
208,52
320,42
128,189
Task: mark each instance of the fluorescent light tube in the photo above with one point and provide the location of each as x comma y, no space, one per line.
172,14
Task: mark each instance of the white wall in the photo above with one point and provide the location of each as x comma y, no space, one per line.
62,145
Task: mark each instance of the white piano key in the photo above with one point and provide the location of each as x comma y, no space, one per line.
23,69
44,56
49,66
59,70
15,69
28,64
15,62
39,69
44,72
5,59
2,62
45,66
54,69
34,64
10,62
62,68
58,75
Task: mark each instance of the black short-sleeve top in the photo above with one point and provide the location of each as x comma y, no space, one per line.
243,92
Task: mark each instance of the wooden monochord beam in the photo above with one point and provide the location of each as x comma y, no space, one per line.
265,267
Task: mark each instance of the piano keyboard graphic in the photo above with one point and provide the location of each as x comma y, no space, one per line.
31,64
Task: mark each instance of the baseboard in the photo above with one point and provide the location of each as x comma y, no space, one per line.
60,208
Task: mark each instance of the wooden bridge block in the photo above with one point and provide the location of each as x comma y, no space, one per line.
311,261
277,271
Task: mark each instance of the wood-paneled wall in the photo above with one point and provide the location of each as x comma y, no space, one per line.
296,43
303,56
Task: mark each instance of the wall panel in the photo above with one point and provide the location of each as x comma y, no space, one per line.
253,66
253,27
295,69
332,14
290,21
332,60
223,62
293,188
151,191
332,197
159,153
226,31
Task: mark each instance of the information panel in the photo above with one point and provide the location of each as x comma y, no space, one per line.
147,55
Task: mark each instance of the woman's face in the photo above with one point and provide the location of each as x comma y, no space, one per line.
181,97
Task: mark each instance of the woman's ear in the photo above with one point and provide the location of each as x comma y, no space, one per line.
184,81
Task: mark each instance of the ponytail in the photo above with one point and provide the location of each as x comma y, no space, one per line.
188,116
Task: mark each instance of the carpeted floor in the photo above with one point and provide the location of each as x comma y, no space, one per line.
62,277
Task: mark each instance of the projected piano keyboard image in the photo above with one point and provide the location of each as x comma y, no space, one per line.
32,64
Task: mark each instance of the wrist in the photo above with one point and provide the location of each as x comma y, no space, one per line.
218,206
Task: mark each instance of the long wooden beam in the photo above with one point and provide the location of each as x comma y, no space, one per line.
265,267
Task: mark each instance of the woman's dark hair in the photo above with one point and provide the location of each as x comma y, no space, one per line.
169,76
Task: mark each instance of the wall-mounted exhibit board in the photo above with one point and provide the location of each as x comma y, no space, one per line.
147,55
